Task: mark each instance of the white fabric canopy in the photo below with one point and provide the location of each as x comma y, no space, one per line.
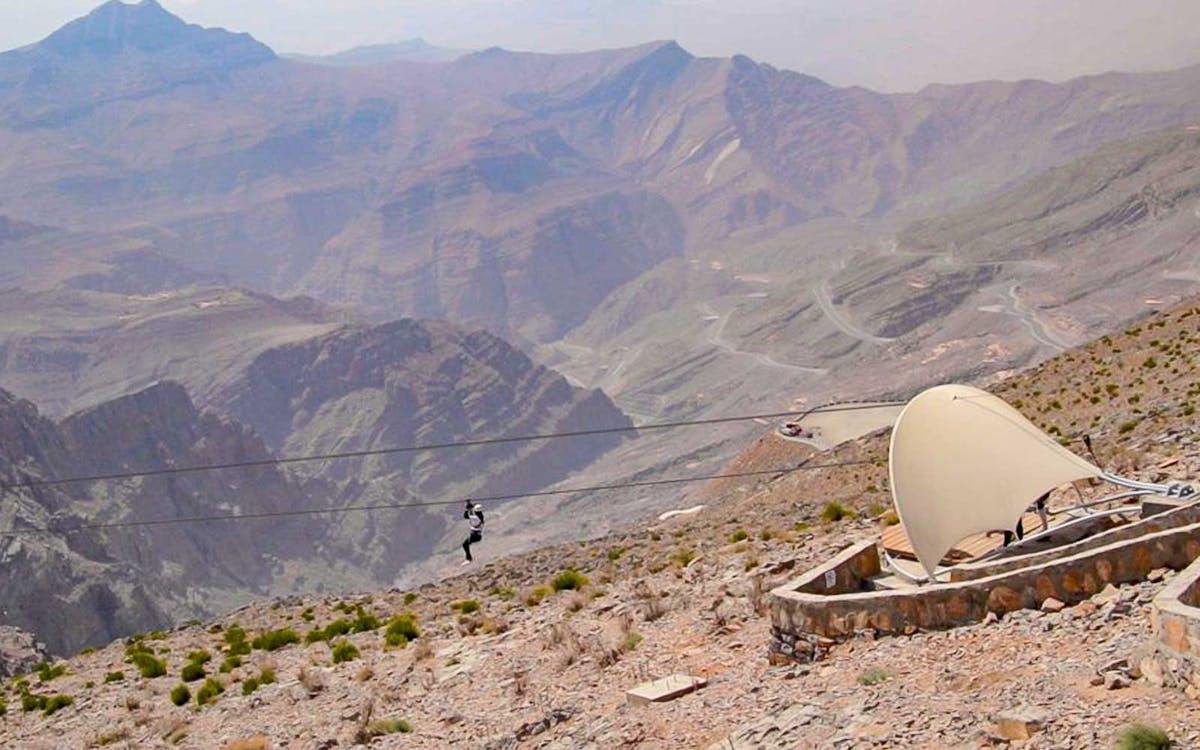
963,462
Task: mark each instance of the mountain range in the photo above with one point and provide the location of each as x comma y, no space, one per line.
343,256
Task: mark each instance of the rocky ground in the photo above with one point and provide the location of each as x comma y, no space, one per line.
503,660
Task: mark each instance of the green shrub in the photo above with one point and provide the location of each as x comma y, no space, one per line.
199,657
401,629
1129,426
365,621
229,664
683,556
835,511
31,702
874,676
273,640
410,597
569,580
308,615
180,694
466,606
267,677
114,677
344,651
338,627
388,726
249,685
47,671
55,703
738,536
209,691
615,553
192,671
1143,737
148,664
505,592
632,640
3,707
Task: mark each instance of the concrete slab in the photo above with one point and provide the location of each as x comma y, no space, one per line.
665,689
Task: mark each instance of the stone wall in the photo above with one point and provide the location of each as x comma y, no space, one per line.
1173,657
806,624
1092,538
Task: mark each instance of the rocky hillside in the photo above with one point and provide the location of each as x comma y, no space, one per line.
540,648
106,583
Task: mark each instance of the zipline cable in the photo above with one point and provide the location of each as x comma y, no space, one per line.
803,466
279,461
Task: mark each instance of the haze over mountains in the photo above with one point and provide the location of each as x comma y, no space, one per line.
693,236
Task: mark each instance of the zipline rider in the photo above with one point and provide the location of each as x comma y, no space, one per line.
474,515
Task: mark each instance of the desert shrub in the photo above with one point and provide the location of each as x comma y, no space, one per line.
569,579
536,595
738,536
800,526
209,691
632,640
267,676
148,664
683,556
273,640
344,651
890,518
114,677
835,511
1129,426
192,671
249,685
615,553
230,663
1143,737
401,629
410,597
338,627
466,606
56,703
388,726
180,694
200,657
235,641
31,702
47,671
874,676
504,592
364,621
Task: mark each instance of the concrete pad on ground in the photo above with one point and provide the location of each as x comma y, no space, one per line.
665,689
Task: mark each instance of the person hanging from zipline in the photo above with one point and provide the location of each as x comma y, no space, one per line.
474,515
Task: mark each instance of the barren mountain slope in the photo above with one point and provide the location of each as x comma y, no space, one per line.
507,190
497,661
77,587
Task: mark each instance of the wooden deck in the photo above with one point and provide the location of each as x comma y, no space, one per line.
896,542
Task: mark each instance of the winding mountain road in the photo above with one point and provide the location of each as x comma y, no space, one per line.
717,339
820,292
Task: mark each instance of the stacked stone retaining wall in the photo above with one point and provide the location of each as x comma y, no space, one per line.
807,623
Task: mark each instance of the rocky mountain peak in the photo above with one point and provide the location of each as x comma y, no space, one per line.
118,27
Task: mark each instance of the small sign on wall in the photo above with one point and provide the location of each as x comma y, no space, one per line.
830,579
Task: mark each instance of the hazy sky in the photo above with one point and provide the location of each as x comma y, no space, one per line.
885,44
